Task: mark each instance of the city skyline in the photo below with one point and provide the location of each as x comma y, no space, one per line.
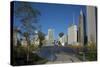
56,16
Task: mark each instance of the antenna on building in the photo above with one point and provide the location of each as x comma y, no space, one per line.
73,19
81,13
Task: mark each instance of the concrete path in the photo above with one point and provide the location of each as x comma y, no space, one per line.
57,54
64,58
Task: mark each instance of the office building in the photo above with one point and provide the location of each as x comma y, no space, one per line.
72,34
91,23
81,29
50,36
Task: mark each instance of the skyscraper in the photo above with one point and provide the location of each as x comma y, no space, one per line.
72,34
50,36
91,23
81,29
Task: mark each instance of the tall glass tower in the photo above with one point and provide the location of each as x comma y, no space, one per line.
81,29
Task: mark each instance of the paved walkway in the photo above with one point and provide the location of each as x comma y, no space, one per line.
64,58
57,54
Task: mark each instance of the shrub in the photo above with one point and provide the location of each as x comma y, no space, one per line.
20,56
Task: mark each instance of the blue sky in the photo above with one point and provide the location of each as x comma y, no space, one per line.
57,16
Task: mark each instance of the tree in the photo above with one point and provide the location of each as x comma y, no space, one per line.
41,37
28,17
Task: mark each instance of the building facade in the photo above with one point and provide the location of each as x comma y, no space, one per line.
72,34
91,23
81,29
50,36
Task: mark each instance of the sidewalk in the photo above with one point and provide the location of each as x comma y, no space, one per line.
64,58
